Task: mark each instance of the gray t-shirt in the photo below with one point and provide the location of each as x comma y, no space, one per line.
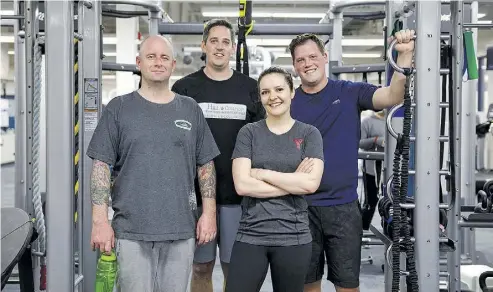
372,134
154,150
281,221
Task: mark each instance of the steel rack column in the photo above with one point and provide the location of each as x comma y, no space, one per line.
185,28
155,17
389,141
27,267
335,44
90,53
59,132
481,82
454,258
468,146
20,66
427,88
30,36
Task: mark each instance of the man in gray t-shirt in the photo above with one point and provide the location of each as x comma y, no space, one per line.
372,139
154,150
156,142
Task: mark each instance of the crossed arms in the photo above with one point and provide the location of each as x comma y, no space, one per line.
263,183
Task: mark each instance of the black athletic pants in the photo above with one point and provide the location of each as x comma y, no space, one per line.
371,188
371,199
249,264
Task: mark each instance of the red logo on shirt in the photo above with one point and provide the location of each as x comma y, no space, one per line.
298,142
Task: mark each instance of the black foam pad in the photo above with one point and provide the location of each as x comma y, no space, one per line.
17,230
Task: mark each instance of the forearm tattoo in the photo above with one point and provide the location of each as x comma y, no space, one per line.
100,183
207,180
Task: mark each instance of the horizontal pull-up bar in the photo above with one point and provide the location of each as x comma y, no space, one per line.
370,68
478,25
185,28
11,17
117,67
370,155
339,6
153,7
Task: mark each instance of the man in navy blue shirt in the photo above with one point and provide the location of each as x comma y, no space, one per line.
334,107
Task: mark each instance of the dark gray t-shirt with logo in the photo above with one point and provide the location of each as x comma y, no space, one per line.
281,221
154,150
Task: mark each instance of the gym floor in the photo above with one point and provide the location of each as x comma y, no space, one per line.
372,278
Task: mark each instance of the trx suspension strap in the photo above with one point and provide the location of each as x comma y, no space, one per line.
245,26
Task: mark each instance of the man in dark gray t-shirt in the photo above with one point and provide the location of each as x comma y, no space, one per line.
154,150
281,221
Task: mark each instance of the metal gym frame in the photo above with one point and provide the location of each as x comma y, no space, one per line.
72,120
73,53
71,263
427,138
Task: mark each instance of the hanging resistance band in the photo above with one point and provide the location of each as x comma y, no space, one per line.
401,230
245,26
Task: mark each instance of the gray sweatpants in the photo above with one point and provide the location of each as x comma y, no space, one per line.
150,266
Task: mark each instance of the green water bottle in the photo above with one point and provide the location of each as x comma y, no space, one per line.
106,273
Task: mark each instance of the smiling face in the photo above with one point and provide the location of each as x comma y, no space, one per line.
276,93
218,46
309,62
155,60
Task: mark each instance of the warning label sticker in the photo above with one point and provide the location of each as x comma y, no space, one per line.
90,120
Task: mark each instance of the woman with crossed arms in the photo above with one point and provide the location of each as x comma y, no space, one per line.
276,161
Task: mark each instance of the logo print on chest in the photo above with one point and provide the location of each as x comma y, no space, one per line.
183,124
298,142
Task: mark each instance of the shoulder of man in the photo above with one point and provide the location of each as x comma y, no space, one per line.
188,81
115,104
245,81
307,129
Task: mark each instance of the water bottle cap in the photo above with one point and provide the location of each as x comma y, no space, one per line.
110,257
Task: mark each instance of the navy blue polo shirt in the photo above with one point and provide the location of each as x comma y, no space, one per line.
336,112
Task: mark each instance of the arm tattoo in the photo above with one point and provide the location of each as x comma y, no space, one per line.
207,180
100,183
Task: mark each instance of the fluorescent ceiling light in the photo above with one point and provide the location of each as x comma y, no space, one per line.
6,38
264,12
191,49
481,15
113,76
6,12
344,55
484,22
361,55
362,42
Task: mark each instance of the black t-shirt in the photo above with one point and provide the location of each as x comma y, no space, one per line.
227,105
